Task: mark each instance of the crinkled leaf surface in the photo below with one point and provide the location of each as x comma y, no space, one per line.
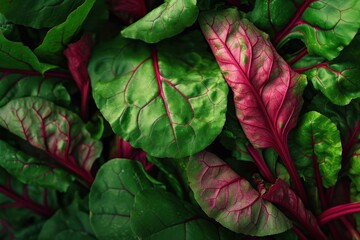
325,26
112,196
59,36
231,200
55,130
281,194
30,170
167,20
338,79
22,83
316,148
38,14
158,214
15,55
70,223
170,102
267,93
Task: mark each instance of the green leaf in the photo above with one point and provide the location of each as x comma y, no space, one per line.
18,83
59,36
157,215
184,107
231,200
316,141
167,20
55,130
30,170
325,26
38,14
6,27
15,55
338,79
70,223
112,196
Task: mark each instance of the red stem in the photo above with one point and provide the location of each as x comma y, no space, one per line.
285,31
298,57
338,211
354,233
260,163
299,233
84,100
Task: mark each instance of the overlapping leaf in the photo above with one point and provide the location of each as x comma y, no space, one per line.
325,26
158,214
112,196
58,37
55,130
230,199
170,102
38,14
167,20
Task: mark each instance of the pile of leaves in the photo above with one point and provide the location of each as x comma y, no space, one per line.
179,119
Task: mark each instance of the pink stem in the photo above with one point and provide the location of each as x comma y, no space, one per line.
338,211
259,161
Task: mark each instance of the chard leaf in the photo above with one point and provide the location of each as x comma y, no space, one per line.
23,83
112,196
38,14
316,149
6,27
281,195
15,55
230,199
70,223
127,10
30,170
22,203
338,79
169,107
55,130
167,20
158,214
325,26
55,41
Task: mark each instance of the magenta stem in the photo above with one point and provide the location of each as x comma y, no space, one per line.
260,163
338,211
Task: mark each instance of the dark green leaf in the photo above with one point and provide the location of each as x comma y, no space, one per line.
167,20
33,171
59,36
112,196
38,14
184,107
70,223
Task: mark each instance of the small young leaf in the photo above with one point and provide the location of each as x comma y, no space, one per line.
55,130
230,199
112,196
167,20
316,146
168,106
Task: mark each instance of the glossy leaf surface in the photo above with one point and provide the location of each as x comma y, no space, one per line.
37,14
158,214
59,36
267,93
325,26
30,170
231,200
167,20
317,144
55,130
112,196
169,107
